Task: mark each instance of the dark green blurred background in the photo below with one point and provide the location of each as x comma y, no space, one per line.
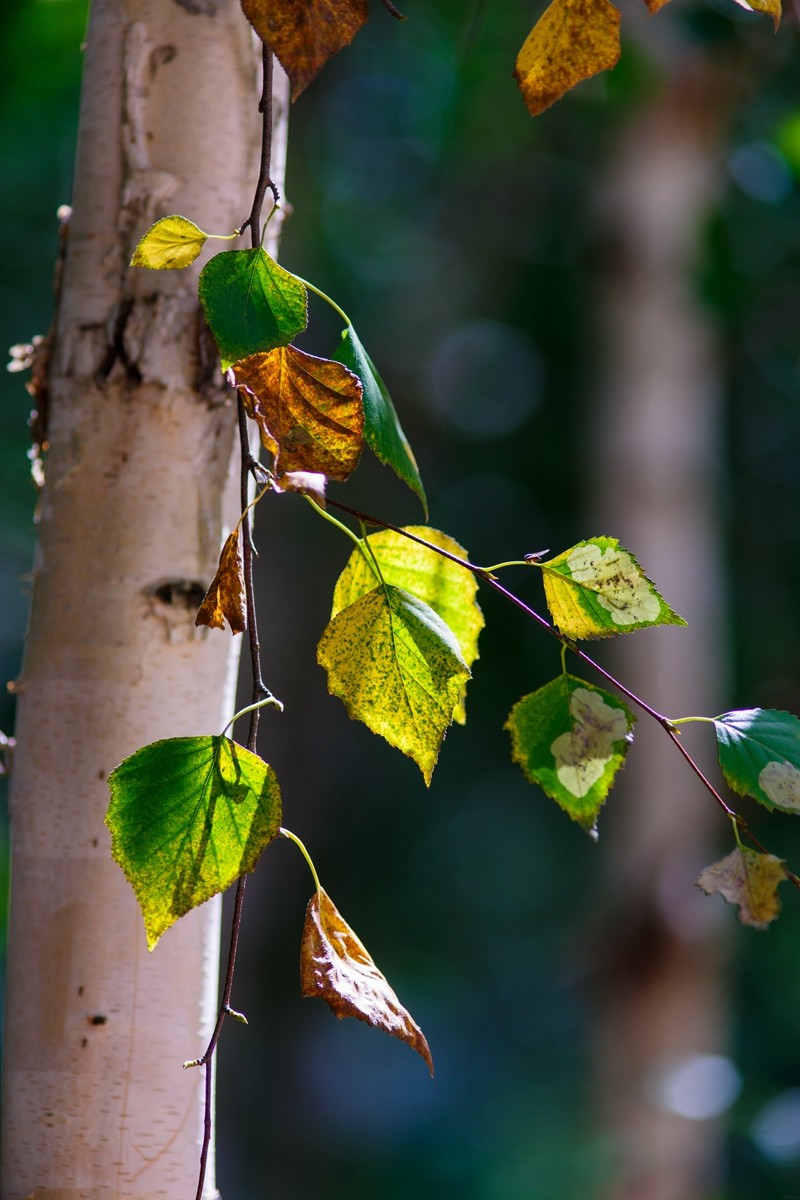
460,236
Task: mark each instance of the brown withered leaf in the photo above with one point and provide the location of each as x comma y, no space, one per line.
226,596
304,34
571,41
750,879
335,965
309,410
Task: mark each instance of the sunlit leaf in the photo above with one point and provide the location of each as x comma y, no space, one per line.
188,816
307,483
335,965
771,7
450,590
398,668
382,430
596,589
251,304
304,34
571,738
225,599
571,41
759,752
750,879
169,245
308,409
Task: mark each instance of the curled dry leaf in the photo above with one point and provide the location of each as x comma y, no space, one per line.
335,965
307,483
571,41
308,409
226,596
750,879
304,34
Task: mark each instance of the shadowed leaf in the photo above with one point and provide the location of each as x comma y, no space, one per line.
335,965
596,589
571,41
749,879
169,245
188,816
304,34
571,738
225,599
398,668
450,590
759,752
308,409
251,304
382,430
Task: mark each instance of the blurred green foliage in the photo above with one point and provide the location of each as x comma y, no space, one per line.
458,235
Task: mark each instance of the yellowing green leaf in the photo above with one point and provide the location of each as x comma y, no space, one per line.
571,41
771,7
225,599
398,668
169,245
450,590
336,966
759,752
571,738
188,816
596,589
382,430
251,303
304,34
750,879
308,409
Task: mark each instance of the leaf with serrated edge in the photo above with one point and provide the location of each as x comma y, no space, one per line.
759,752
308,409
449,589
750,879
251,303
169,245
571,41
188,816
304,34
571,738
225,599
596,589
398,668
382,430
336,966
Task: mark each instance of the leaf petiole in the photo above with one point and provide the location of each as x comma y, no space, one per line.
513,562
267,700
318,292
287,833
341,525
687,720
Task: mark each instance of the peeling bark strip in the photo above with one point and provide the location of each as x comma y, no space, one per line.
139,487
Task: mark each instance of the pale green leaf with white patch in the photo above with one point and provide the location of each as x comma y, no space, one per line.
398,668
759,752
597,588
450,590
169,245
571,738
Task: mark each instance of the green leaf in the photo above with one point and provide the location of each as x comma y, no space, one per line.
450,590
398,668
750,879
251,304
382,430
169,245
188,816
596,589
571,738
759,752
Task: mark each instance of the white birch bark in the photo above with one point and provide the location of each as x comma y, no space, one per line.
140,487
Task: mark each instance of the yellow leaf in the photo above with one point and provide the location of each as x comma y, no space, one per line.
226,596
771,7
304,34
169,245
571,41
309,410
336,966
749,879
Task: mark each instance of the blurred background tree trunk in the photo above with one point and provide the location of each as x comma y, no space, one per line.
141,484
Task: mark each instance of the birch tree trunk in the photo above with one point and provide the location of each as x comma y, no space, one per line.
140,486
